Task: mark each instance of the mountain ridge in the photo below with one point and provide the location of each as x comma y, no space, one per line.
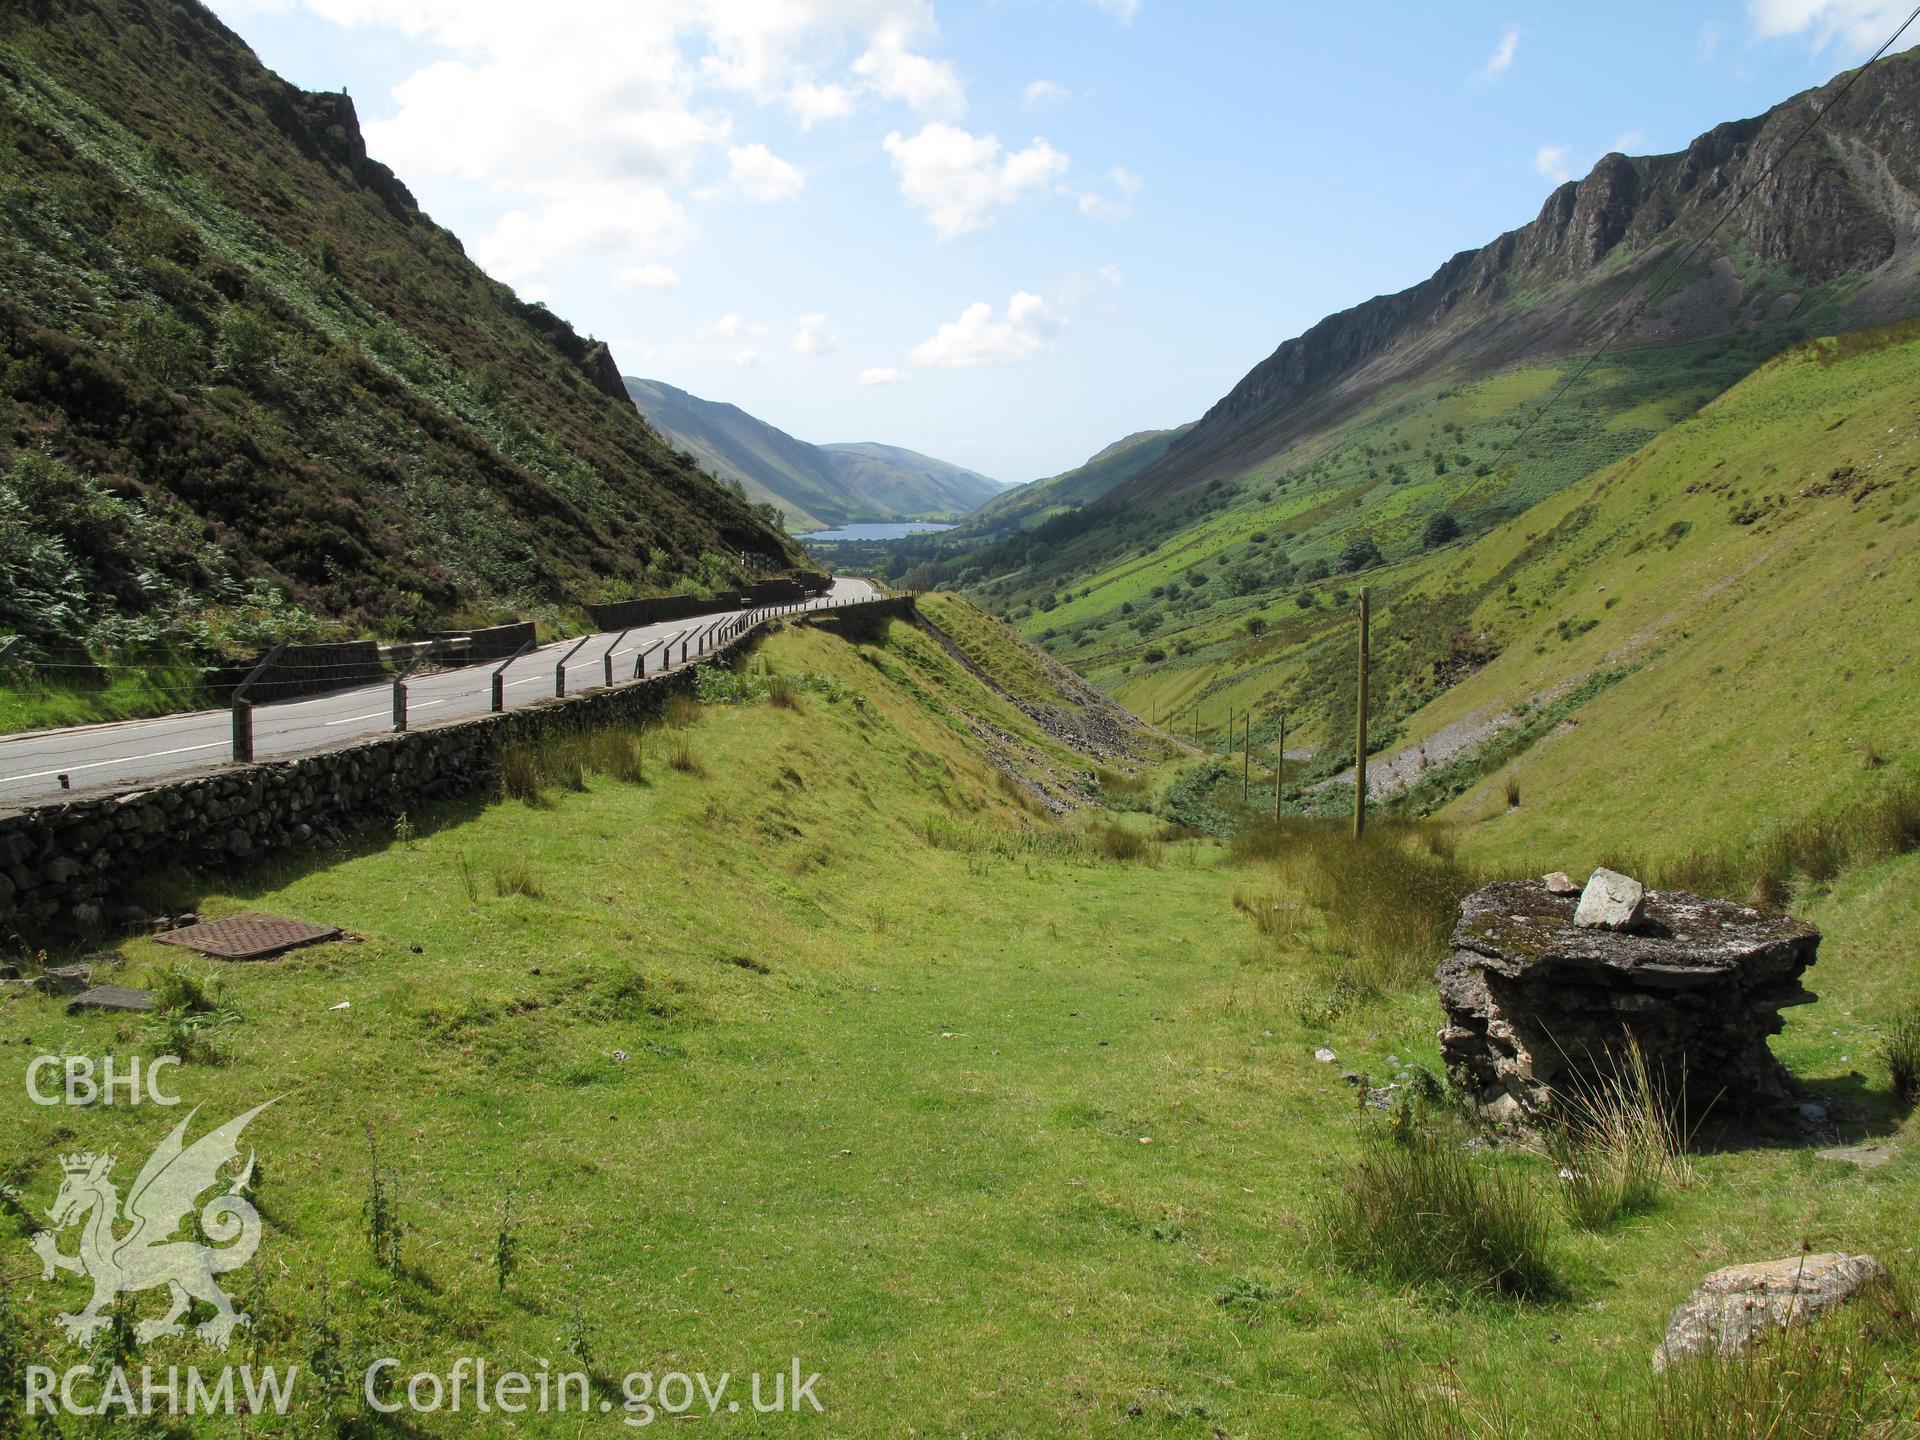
1864,193
817,486
304,404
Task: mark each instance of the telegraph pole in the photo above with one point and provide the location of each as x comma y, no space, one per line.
1246,757
1279,764
1360,729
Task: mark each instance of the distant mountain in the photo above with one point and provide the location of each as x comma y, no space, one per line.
908,482
1027,505
232,332
817,486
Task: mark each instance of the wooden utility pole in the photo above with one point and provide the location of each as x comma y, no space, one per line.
1360,729
1279,764
1246,757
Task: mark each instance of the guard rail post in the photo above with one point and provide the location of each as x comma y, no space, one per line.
400,688
499,677
560,670
243,708
607,659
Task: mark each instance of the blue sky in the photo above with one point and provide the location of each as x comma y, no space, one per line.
1008,232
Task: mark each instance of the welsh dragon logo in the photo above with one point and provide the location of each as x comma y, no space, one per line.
151,1253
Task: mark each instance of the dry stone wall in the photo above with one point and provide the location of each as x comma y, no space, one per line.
73,868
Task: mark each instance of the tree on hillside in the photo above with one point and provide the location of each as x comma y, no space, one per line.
1440,529
1360,554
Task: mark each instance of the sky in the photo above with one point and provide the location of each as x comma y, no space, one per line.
1008,232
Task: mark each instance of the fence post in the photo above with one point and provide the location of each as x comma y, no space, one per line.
1360,729
607,659
243,732
500,678
399,702
560,670
243,707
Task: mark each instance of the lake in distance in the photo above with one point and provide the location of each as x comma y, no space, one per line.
891,530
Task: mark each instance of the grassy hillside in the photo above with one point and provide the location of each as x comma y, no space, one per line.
814,486
1785,498
1027,505
816,1040
1750,578
909,485
768,464
1388,430
224,323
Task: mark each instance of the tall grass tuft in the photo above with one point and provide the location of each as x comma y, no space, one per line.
514,876
1118,843
1418,1208
1810,850
1619,1143
615,753
1388,900
520,777
1396,1405
1810,1381
1901,1051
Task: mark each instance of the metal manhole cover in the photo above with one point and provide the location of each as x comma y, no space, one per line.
248,937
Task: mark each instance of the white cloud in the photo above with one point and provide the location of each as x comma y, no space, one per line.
732,326
1628,142
1127,187
881,375
1707,44
746,357
760,175
1122,10
1112,275
1023,330
813,103
623,103
1501,60
1045,92
1859,25
894,72
646,277
811,336
959,181
1551,162
606,219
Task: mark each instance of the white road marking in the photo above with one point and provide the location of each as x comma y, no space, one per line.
121,760
412,705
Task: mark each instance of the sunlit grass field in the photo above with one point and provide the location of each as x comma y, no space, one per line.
817,1041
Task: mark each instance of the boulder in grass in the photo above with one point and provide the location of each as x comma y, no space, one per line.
1539,1008
1732,1307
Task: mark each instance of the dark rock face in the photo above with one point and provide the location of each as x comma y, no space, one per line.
1536,1007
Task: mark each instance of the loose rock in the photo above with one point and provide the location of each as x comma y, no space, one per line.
1560,883
1611,901
1732,1306
112,997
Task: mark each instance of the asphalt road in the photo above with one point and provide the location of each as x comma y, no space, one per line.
129,753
